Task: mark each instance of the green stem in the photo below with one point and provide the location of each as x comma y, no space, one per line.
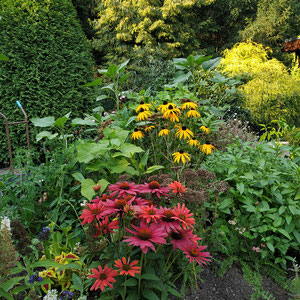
140,277
178,276
194,270
169,266
125,283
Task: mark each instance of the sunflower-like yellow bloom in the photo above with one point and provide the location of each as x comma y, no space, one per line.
183,132
207,148
137,134
163,107
144,106
164,131
171,108
173,117
189,104
143,115
192,113
193,143
181,155
149,128
205,129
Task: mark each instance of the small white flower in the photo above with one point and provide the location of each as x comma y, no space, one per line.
51,295
5,223
84,203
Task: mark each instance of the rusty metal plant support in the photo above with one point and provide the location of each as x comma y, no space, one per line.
8,133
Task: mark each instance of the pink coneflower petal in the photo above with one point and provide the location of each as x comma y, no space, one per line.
183,238
144,235
123,189
127,268
106,226
194,253
149,213
104,277
154,188
167,221
184,216
94,211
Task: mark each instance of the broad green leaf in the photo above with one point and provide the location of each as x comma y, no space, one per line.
101,97
88,151
60,122
240,187
297,235
248,176
263,206
3,57
87,190
45,134
7,285
133,296
86,121
270,246
98,81
18,290
111,71
182,77
277,222
129,149
232,169
131,171
211,64
46,263
122,66
145,158
5,294
153,169
150,276
124,77
225,203
43,122
282,209
118,166
104,183
174,292
130,282
109,87
78,176
285,233
150,295
77,281
200,59
288,219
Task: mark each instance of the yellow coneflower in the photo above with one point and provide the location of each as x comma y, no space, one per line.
205,129
193,143
149,128
171,108
144,106
207,148
183,132
164,131
189,104
181,155
192,113
143,115
163,107
137,134
173,117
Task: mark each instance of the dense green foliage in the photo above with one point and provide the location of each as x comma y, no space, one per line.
49,60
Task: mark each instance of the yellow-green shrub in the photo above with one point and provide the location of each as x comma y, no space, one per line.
270,92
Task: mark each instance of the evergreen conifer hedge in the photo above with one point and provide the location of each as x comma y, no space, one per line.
49,61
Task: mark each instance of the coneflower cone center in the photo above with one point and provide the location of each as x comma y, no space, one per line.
194,252
144,234
151,212
96,211
128,198
167,216
126,267
176,235
102,276
182,216
120,203
124,186
154,185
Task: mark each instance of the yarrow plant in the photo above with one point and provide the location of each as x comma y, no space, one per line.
138,229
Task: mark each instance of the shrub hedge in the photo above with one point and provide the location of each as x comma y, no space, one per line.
49,61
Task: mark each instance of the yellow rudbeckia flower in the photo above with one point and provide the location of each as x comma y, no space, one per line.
164,131
205,129
183,132
143,115
192,113
207,148
193,143
137,134
144,106
181,155
149,128
189,104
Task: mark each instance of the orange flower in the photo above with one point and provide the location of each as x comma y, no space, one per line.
177,187
127,268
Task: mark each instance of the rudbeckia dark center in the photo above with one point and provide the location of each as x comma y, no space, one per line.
142,110
154,185
170,107
142,102
144,234
135,129
183,128
165,103
181,151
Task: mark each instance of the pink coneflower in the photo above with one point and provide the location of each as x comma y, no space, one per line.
167,220
194,253
106,226
177,187
127,268
96,200
182,214
130,210
183,238
105,197
115,205
149,213
123,189
154,188
138,201
103,277
95,211
145,235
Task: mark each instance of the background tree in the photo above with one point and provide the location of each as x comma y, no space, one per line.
49,61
